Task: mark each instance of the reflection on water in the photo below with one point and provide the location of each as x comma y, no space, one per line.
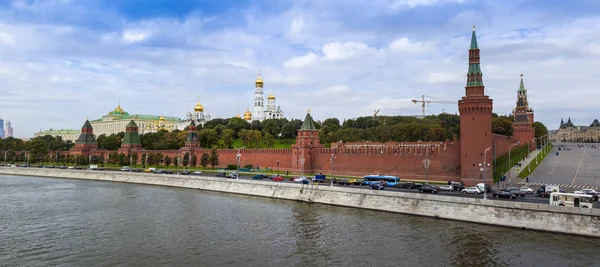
56,222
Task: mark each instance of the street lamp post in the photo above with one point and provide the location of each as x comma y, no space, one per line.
509,162
484,169
426,164
332,165
302,162
5,152
277,167
239,158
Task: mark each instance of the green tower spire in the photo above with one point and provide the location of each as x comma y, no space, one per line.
522,87
474,75
308,123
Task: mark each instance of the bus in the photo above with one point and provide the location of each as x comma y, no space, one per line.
571,200
389,180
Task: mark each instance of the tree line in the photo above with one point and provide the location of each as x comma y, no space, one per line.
222,133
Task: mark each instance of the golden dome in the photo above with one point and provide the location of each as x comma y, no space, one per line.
271,96
119,109
198,107
259,81
161,118
238,116
247,115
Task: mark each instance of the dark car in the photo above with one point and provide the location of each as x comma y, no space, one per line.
515,191
186,172
458,186
377,186
221,174
260,176
593,194
504,194
409,185
429,189
63,167
417,186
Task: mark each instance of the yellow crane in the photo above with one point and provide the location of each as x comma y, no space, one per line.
424,101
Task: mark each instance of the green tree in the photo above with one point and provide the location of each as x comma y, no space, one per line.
502,125
123,159
167,161
134,158
208,137
268,140
227,137
194,161
186,159
204,160
540,130
214,158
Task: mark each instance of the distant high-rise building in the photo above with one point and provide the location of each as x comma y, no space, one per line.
1,128
9,130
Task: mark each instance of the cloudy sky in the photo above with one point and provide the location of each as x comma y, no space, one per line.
64,60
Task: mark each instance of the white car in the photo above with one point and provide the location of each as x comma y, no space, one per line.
446,188
71,167
526,190
471,190
585,191
197,172
300,179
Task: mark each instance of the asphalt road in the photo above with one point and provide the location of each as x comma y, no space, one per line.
573,168
529,198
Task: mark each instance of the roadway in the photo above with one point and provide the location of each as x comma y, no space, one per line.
575,167
529,198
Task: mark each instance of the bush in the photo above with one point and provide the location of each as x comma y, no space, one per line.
249,166
231,166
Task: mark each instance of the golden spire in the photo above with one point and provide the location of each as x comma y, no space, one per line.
248,114
271,96
309,110
259,81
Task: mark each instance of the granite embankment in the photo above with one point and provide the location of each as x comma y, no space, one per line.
503,213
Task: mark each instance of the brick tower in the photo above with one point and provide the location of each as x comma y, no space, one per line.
306,141
86,141
192,136
475,122
523,130
131,140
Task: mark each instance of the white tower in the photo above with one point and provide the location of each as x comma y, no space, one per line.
259,101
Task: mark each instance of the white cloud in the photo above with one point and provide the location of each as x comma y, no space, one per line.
415,3
134,36
445,77
301,61
403,45
336,50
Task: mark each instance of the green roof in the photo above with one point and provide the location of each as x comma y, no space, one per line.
128,116
308,123
131,124
522,87
61,131
474,40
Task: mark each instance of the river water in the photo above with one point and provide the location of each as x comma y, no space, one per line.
61,222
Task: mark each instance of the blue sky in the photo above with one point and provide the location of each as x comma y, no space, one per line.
64,60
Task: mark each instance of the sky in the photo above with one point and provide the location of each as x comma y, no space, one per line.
62,61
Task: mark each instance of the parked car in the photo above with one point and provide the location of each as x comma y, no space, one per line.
197,173
341,181
544,194
232,175
63,167
417,186
355,182
300,179
446,188
376,186
526,190
278,178
504,194
221,174
260,176
186,172
429,189
125,168
516,191
471,190
458,186
409,185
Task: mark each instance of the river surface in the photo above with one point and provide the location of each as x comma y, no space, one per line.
61,222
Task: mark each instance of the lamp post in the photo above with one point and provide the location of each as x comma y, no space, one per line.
239,159
426,164
5,152
302,162
277,167
332,165
483,167
509,162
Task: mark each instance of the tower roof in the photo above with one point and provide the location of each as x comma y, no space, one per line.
87,125
308,123
474,39
131,124
522,87
192,123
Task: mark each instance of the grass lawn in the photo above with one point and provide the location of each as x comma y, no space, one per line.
529,169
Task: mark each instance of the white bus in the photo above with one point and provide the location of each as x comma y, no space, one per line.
571,200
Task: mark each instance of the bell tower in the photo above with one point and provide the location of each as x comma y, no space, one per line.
475,122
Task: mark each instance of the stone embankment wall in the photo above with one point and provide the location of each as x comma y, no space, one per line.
503,213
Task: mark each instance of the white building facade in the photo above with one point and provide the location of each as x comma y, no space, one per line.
199,116
260,111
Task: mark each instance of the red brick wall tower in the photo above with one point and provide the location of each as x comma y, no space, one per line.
475,121
523,130
307,142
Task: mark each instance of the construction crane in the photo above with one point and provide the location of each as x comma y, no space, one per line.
375,113
424,101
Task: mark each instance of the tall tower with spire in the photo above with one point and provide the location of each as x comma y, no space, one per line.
475,122
259,100
523,130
